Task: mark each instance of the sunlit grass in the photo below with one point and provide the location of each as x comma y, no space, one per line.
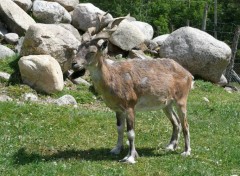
10,66
51,140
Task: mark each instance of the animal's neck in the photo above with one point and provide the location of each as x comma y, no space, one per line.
100,74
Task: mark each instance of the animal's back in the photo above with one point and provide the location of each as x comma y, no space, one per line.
155,82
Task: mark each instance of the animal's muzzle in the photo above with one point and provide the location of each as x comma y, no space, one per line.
78,73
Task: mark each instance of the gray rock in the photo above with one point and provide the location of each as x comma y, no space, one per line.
85,15
66,100
24,4
11,38
41,72
81,81
53,40
50,12
5,52
16,19
30,97
72,29
231,89
4,98
199,52
151,44
160,39
146,29
69,5
5,76
121,37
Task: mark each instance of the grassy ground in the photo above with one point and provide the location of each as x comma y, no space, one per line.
50,140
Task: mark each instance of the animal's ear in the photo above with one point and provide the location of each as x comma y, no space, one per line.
104,45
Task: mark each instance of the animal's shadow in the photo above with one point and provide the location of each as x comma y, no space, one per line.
22,156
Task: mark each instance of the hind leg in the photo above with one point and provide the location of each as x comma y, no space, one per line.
182,113
172,116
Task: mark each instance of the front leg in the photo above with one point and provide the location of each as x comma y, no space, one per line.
132,154
172,116
120,129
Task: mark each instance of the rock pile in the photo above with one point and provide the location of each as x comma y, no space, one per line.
48,41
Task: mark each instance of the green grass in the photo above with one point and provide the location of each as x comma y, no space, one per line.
15,89
10,66
51,140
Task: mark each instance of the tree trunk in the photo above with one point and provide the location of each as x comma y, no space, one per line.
205,17
215,18
229,71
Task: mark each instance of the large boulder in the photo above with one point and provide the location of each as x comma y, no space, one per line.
72,29
5,52
127,36
200,53
160,39
69,5
85,15
24,4
50,12
16,19
53,40
146,29
41,72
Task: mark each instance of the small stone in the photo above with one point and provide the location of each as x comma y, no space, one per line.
11,38
5,76
4,98
66,100
206,99
30,97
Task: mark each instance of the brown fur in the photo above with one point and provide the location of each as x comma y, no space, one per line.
120,83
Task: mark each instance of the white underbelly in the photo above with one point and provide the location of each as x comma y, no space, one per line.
151,103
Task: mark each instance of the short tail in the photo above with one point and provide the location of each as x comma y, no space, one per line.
192,84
